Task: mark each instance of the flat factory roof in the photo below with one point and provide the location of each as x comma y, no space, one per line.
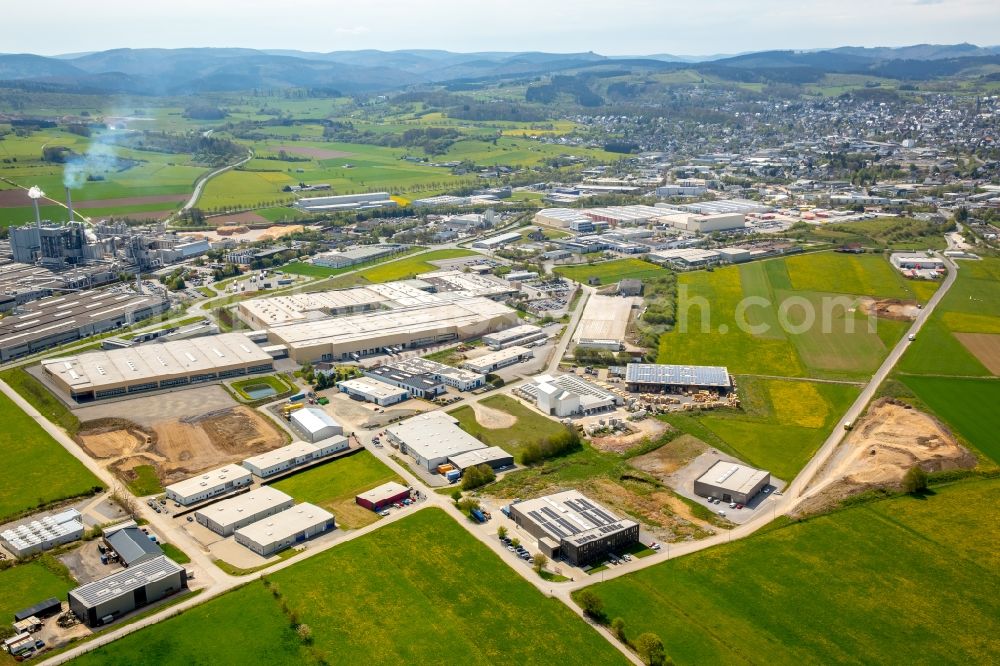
732,476
403,321
285,524
434,435
281,455
125,581
277,310
497,357
384,492
151,362
604,318
195,484
681,375
479,457
373,387
231,510
571,515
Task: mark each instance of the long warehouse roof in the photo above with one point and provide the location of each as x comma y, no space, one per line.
680,375
154,361
125,581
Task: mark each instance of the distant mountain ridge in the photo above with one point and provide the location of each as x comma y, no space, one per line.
197,70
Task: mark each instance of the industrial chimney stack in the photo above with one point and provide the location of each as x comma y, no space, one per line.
35,194
69,204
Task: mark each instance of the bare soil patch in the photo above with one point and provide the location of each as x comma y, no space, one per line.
985,347
16,198
885,444
890,308
661,513
621,442
178,448
318,153
130,201
494,419
670,457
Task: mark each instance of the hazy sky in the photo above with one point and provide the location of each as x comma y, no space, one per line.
612,27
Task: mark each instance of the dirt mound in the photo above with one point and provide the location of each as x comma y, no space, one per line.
239,429
647,429
114,437
890,440
890,308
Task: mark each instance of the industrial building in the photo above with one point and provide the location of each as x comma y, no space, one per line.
43,533
107,599
383,496
604,322
58,320
315,424
459,378
294,455
357,255
103,374
356,336
259,313
499,359
726,206
373,391
209,484
227,516
663,378
686,257
562,217
287,528
519,335
132,545
702,224
570,526
418,385
43,609
432,438
568,395
731,482
495,242
493,456
346,202
904,261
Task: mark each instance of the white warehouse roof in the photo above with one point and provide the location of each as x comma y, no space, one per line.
434,435
314,420
216,477
232,510
286,524
732,477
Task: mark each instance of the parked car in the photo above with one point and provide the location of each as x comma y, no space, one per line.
722,513
190,519
383,513
732,505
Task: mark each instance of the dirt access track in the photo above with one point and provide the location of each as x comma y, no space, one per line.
885,444
179,448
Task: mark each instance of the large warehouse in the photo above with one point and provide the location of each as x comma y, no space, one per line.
104,374
499,359
227,516
569,525
209,484
109,598
355,336
55,321
568,395
261,313
519,335
287,528
315,424
731,482
463,380
432,438
294,455
382,496
663,378
604,322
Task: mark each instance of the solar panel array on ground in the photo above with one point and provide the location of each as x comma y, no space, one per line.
677,375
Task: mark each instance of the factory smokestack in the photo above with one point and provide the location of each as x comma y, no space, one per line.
69,204
35,193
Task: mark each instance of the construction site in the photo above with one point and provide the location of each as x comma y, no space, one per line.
179,435
882,447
